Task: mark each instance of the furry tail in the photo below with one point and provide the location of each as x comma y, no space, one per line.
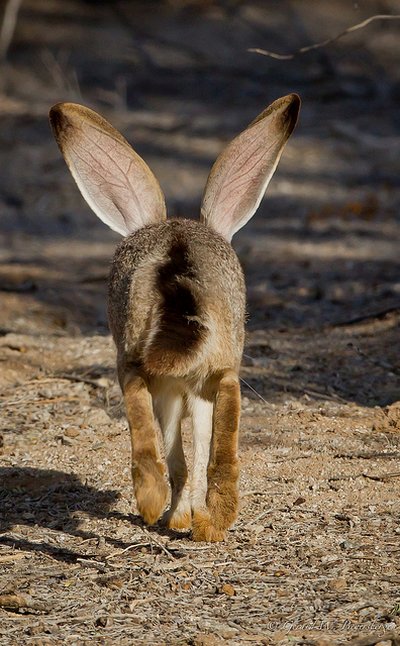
178,329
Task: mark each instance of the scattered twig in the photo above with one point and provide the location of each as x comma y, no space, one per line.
364,455
323,43
14,556
133,604
127,549
382,477
274,479
98,565
292,459
264,513
323,395
15,602
84,380
344,477
153,539
64,377
195,548
27,402
380,314
370,476
320,394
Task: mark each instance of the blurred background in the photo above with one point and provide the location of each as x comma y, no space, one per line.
178,79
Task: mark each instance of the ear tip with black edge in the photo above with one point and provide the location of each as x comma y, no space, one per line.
291,112
58,118
293,103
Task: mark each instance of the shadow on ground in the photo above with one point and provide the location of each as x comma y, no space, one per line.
56,501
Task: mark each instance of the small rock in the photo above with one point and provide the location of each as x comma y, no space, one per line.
96,418
72,432
348,545
338,584
102,621
103,382
299,501
228,589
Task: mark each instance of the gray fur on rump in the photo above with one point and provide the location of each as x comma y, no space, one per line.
176,289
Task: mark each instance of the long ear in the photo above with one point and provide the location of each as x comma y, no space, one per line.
115,182
241,174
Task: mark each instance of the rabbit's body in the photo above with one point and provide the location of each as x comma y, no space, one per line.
177,317
173,308
177,307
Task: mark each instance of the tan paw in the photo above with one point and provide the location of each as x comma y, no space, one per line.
178,519
223,495
151,491
204,530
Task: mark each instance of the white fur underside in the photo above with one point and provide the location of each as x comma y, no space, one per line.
168,400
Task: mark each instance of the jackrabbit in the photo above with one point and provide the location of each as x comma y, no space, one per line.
177,306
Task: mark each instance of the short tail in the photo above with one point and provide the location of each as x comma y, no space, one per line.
178,328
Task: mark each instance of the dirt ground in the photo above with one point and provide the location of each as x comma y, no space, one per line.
314,555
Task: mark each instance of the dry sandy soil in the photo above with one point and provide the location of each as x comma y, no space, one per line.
314,555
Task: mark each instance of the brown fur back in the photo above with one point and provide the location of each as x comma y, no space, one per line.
176,299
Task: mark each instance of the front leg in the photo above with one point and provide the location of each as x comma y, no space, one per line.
149,484
210,524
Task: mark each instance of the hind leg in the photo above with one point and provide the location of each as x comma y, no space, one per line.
149,484
169,409
202,417
211,522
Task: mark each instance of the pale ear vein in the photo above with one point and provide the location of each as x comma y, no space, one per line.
225,184
79,177
83,182
128,183
236,170
131,153
84,161
222,194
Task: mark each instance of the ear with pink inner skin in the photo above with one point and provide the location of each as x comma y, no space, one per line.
116,183
241,174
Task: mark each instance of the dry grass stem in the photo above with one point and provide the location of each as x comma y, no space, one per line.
327,41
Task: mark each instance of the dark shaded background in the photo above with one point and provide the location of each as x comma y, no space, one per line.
177,78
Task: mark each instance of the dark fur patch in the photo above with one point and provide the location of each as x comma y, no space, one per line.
177,333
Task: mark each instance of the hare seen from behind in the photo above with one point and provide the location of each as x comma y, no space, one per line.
177,306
